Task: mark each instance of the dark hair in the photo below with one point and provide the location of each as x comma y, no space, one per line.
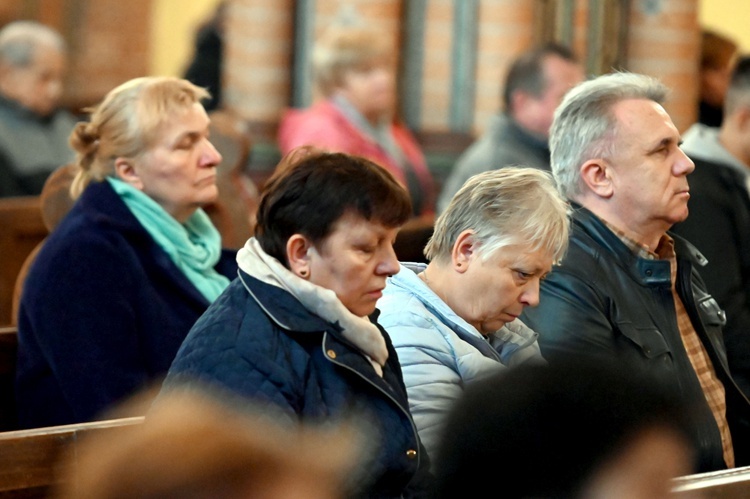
310,191
717,50
738,93
546,428
526,72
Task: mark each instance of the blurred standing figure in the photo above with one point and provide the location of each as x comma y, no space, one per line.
122,278
353,72
33,131
205,69
534,86
718,54
627,290
456,320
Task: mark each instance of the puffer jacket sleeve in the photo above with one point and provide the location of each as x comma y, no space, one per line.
435,363
517,344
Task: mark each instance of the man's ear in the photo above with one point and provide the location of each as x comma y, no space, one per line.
596,174
298,255
464,251
125,170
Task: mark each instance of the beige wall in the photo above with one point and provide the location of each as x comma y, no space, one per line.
729,17
173,27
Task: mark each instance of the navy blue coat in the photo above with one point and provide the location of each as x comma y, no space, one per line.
258,342
102,315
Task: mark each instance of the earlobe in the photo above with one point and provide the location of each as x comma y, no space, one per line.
298,255
464,251
596,174
125,171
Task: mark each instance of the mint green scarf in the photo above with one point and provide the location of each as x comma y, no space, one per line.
194,247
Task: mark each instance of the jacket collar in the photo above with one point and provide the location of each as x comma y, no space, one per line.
283,308
407,279
647,272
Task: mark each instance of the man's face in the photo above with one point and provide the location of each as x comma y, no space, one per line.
560,76
648,170
37,86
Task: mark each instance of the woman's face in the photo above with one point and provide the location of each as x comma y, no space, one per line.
178,170
496,290
354,262
371,90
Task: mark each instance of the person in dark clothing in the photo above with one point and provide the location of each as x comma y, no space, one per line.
628,290
718,53
117,285
719,221
205,69
297,331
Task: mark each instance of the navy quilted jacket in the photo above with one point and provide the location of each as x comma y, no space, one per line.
103,313
259,342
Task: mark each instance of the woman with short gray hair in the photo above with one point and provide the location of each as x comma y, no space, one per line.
455,319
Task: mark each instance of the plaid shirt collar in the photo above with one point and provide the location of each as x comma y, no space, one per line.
664,250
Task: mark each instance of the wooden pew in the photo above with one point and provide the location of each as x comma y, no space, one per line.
29,458
22,229
726,484
8,349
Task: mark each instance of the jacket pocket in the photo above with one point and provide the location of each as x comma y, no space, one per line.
648,340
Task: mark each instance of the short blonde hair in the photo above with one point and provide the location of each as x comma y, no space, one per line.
343,49
127,123
505,207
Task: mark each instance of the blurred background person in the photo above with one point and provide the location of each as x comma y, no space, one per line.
205,68
34,131
200,447
122,278
719,219
353,71
534,86
577,430
456,319
718,54
297,330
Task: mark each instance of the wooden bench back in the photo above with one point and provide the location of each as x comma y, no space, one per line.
8,349
22,230
29,458
726,484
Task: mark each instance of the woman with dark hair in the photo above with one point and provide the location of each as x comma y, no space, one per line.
296,331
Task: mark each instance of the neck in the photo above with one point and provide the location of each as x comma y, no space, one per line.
731,140
645,232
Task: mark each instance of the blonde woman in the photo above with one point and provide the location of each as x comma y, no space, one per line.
354,74
124,276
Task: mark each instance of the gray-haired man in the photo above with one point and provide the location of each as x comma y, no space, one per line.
627,289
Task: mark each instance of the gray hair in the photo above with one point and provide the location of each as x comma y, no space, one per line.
584,126
504,207
19,41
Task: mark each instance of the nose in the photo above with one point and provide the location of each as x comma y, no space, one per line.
210,156
683,165
530,295
389,264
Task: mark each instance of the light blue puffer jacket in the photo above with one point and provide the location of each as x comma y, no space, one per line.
440,352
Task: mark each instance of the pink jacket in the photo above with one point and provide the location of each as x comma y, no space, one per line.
324,126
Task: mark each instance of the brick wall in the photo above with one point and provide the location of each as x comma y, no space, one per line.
662,41
108,40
